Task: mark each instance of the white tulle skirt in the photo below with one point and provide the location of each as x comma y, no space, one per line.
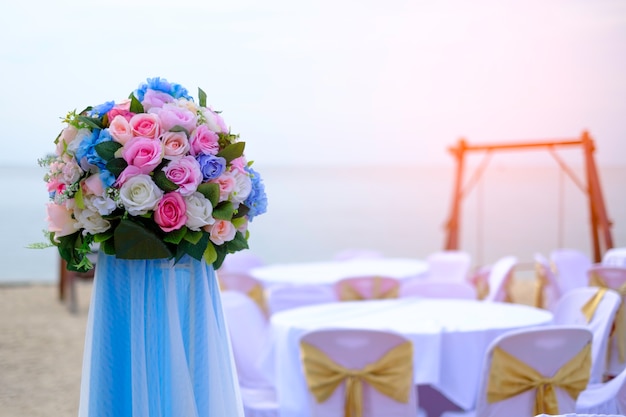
156,343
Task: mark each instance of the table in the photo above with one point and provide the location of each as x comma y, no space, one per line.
332,271
450,338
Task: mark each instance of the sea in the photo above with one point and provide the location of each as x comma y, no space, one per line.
315,212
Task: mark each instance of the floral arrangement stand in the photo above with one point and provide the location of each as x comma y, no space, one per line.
160,183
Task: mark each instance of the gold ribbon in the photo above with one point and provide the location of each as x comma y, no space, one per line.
620,331
347,292
590,307
509,377
256,293
542,283
391,375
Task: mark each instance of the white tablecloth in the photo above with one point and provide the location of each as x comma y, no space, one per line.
331,272
615,257
450,338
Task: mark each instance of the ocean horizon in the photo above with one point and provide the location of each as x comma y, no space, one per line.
314,212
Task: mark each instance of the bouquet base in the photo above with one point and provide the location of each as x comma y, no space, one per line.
156,343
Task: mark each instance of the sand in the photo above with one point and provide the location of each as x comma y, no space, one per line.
41,348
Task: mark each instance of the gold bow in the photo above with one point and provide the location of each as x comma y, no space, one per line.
590,307
256,293
620,331
510,376
391,375
347,292
542,283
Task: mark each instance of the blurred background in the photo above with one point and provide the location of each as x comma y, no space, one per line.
347,108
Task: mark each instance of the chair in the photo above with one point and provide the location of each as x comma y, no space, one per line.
615,257
613,277
330,356
548,289
449,265
437,289
520,359
244,283
569,311
606,398
499,279
366,288
570,268
293,296
479,278
240,262
249,333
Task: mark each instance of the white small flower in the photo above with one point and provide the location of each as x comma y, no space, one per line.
91,221
199,211
140,194
243,187
103,205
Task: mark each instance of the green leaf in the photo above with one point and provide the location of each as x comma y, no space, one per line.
179,128
201,97
237,244
133,241
108,246
116,166
221,255
193,236
163,182
101,237
175,236
210,191
78,198
92,122
224,211
232,151
242,210
195,250
210,255
135,105
107,149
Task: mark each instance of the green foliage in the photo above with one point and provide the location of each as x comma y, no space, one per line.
134,241
232,151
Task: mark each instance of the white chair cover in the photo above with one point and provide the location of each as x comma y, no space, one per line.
354,349
615,257
249,332
579,415
499,277
605,398
437,289
449,265
551,289
241,262
293,296
570,267
546,349
568,311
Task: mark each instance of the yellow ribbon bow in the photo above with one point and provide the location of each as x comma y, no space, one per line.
347,292
391,375
510,376
620,331
590,307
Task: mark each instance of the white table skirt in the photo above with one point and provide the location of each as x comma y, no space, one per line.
330,272
450,338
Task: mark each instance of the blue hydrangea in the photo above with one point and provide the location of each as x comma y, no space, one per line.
86,154
211,166
257,200
101,109
161,84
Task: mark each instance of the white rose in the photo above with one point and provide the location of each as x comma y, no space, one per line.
101,204
140,194
199,211
91,221
243,187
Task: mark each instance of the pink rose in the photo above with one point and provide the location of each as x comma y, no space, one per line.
215,121
67,136
60,220
171,115
227,185
120,129
184,172
221,231
93,185
143,153
121,109
175,144
155,99
204,141
146,125
239,164
170,212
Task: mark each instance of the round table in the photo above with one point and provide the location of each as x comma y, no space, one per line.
450,338
306,273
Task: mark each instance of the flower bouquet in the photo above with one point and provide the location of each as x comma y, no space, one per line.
153,176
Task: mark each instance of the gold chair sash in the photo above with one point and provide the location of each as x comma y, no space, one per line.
620,331
391,375
542,283
258,296
590,307
348,293
509,377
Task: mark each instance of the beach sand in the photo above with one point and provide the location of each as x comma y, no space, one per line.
41,348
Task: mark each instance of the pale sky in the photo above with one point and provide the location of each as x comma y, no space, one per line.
328,81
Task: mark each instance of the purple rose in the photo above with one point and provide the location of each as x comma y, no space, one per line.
211,166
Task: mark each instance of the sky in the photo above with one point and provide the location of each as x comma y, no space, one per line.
328,81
